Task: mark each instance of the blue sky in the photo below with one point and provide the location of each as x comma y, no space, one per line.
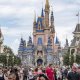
16,19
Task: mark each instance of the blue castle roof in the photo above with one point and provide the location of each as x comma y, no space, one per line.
30,40
42,13
49,47
49,41
39,23
57,41
22,45
39,20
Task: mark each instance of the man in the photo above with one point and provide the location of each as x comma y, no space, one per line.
50,72
78,71
73,75
1,73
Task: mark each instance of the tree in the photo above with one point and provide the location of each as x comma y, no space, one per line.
3,60
17,60
7,50
8,60
70,60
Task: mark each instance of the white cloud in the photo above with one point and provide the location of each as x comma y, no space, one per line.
16,11
18,31
15,45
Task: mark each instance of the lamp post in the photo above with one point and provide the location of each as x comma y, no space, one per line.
7,58
13,60
70,57
74,54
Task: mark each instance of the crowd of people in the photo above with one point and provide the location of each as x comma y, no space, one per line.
49,72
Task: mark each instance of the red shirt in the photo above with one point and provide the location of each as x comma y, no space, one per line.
50,73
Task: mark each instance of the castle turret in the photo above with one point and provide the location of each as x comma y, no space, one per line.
30,41
1,37
42,13
56,41
66,47
21,48
1,41
76,40
67,44
49,52
34,24
52,29
47,13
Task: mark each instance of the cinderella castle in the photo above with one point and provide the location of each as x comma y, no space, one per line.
42,49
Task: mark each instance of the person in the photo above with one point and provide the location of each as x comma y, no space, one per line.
25,73
50,72
43,77
73,75
30,76
5,71
40,77
12,76
1,74
78,71
35,71
16,73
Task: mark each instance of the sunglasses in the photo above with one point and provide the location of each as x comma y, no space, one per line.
10,78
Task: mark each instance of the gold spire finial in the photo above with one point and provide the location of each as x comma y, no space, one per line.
47,3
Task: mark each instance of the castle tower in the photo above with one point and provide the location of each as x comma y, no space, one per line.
38,28
76,39
57,44
47,6
34,29
49,51
67,44
52,29
46,21
1,41
66,47
21,48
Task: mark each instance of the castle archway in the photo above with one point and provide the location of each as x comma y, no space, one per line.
39,62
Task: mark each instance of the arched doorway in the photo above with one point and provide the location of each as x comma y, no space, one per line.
39,62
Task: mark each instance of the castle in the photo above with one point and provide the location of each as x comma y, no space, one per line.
1,42
42,49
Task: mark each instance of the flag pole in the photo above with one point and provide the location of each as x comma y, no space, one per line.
78,17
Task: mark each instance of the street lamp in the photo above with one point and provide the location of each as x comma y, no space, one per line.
7,58
13,60
74,54
70,57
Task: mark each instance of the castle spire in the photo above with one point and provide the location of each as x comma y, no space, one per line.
47,13
34,17
42,13
52,18
52,22
67,44
47,4
57,41
1,35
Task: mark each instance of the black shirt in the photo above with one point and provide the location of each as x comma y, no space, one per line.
73,76
2,77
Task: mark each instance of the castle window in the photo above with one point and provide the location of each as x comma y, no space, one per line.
39,41
39,25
